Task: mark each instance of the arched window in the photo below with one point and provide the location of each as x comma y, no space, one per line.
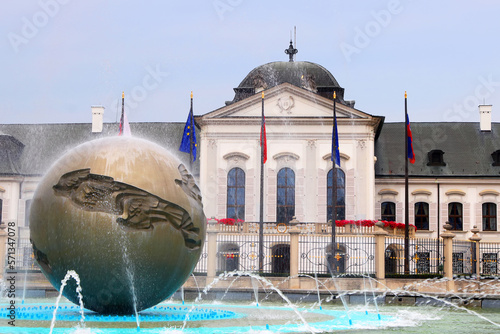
489,217
236,194
391,259
388,210
455,216
285,208
422,216
340,206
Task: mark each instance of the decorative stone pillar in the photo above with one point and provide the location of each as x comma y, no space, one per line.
475,238
212,231
294,232
448,256
380,235
3,247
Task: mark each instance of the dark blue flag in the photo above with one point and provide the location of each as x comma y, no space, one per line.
335,136
188,144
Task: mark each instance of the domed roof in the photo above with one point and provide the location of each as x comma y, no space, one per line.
303,74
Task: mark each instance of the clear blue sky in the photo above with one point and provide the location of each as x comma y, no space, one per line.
59,57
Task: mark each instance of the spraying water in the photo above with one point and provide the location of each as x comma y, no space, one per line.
24,285
255,290
74,275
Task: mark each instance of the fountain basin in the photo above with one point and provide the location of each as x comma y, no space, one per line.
191,318
239,318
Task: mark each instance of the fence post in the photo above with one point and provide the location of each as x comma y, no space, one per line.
3,247
294,232
448,256
475,238
212,231
380,235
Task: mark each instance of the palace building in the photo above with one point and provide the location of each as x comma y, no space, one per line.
455,179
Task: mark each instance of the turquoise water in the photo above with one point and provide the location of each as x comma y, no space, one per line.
35,315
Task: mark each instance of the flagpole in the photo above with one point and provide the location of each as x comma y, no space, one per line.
122,118
334,183
191,136
261,211
407,232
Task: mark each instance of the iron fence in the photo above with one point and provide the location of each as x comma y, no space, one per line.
489,254
464,257
201,266
237,252
25,259
426,256
352,255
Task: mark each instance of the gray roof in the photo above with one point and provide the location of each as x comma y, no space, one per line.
10,153
467,150
30,149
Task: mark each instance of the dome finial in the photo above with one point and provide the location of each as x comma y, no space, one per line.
291,51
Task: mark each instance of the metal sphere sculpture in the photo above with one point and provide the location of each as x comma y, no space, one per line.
124,214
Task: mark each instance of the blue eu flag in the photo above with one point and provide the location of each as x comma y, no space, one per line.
188,143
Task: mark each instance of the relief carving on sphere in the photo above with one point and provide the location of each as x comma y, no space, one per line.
138,209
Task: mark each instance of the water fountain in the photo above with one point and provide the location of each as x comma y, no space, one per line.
145,220
126,216
433,314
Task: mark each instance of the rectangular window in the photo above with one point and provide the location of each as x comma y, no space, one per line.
388,211
285,195
455,216
422,216
489,217
235,206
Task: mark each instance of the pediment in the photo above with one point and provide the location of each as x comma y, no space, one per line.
285,101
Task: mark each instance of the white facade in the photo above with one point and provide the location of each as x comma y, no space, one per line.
299,135
471,193
15,194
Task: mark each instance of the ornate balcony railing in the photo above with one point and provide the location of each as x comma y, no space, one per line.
364,227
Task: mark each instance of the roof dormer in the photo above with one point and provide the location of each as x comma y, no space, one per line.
435,158
496,158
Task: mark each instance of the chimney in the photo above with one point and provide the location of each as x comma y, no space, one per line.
97,115
485,117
